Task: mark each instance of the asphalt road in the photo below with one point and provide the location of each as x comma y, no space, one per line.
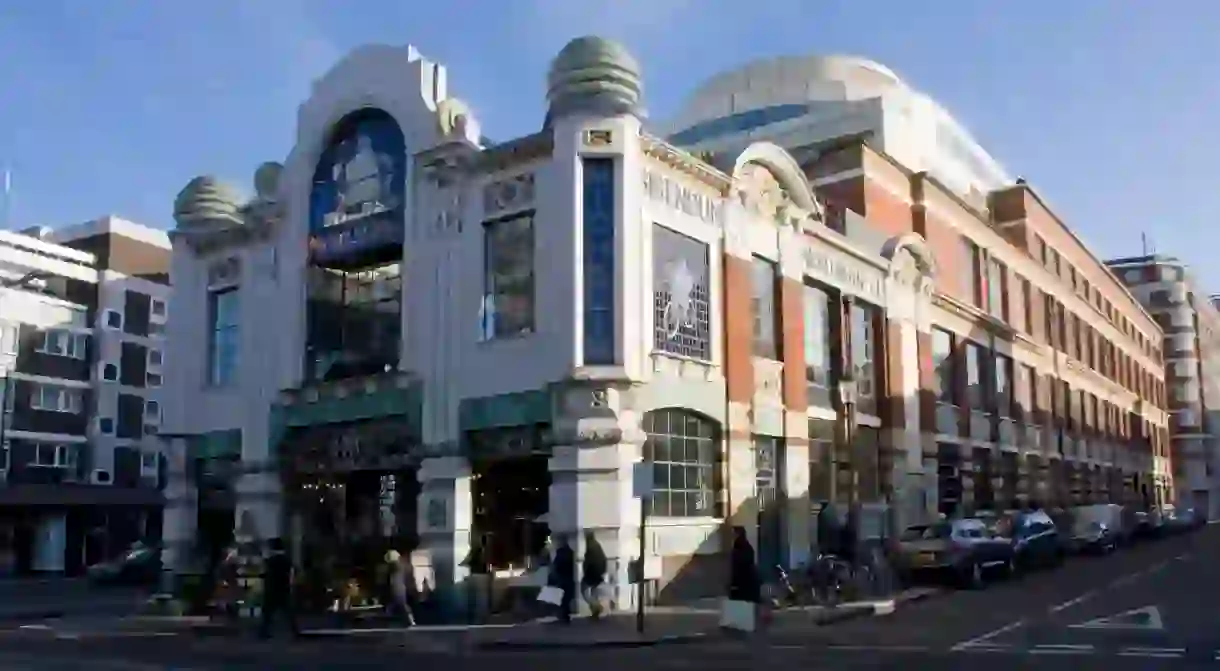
1151,606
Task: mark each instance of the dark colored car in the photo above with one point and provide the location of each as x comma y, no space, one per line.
139,565
1036,541
963,549
1095,529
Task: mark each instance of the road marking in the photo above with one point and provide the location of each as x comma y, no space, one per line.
991,647
1061,650
1068,604
1147,618
878,648
1156,567
988,636
1125,580
1158,653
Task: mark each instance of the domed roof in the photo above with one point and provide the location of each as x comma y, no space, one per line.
593,74
206,200
267,179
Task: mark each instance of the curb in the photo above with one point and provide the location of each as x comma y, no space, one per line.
603,644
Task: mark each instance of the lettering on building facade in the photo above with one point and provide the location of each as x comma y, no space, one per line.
707,208
840,270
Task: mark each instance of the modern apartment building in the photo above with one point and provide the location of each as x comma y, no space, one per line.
1046,376
413,338
1191,323
83,310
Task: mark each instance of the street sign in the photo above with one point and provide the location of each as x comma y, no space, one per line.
1147,618
641,480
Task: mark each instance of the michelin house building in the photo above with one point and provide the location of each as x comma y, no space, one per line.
414,338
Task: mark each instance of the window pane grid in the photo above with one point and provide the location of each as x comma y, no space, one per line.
682,448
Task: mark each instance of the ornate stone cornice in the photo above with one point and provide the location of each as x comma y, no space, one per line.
685,162
206,242
514,153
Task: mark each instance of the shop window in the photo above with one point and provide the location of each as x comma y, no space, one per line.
683,448
508,277
681,280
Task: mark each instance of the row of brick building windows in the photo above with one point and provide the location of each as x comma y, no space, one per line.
1045,318
971,376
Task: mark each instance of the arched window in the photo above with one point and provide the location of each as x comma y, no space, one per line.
684,450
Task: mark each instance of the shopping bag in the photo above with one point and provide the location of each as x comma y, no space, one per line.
738,615
551,595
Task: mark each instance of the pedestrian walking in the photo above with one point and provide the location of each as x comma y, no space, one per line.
399,588
593,574
563,576
277,589
744,582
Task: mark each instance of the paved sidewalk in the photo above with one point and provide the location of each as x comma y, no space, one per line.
664,625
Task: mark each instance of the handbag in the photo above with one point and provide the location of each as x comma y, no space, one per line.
551,595
738,615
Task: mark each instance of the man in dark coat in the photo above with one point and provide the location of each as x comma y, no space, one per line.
593,574
563,576
277,589
744,581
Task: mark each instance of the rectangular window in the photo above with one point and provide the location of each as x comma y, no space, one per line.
682,448
11,336
114,320
508,277
942,362
224,334
57,342
974,285
49,455
997,300
158,307
975,393
766,313
52,398
864,354
1028,398
152,411
1003,385
817,336
155,358
599,268
681,295
1027,305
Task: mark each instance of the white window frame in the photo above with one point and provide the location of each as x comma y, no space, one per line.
150,376
155,366
156,330
63,456
67,400
158,315
102,430
106,320
58,342
11,333
118,372
152,411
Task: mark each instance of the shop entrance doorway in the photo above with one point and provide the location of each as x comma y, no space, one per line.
511,501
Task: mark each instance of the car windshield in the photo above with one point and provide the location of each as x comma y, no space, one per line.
931,531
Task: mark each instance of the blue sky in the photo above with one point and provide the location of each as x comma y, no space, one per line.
1106,106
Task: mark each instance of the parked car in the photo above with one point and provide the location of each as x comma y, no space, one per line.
963,549
1036,541
1096,529
139,565
1182,520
